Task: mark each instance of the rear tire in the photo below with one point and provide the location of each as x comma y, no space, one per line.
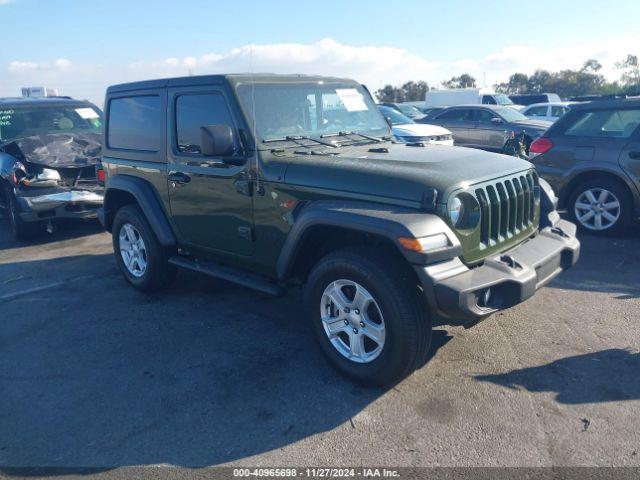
601,207
147,267
405,336
21,230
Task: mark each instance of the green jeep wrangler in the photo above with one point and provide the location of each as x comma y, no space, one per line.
272,181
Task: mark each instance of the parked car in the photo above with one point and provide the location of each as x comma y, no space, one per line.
244,178
429,113
406,130
405,109
546,111
531,98
591,157
487,126
465,96
49,155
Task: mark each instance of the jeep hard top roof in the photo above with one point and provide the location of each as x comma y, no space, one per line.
235,79
16,102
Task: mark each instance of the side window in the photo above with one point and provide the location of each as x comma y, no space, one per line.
537,112
135,123
557,111
605,123
482,115
488,100
456,114
194,111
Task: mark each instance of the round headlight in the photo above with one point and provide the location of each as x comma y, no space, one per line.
456,211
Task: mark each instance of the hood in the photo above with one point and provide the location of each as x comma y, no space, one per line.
403,173
419,130
60,150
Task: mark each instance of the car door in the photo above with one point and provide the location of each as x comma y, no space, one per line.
457,120
210,198
630,156
488,129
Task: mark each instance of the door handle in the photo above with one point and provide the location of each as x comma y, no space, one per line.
178,178
634,155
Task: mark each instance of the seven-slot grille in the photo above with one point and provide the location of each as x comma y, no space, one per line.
507,207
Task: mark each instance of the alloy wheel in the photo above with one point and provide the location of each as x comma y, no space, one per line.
132,250
597,209
352,321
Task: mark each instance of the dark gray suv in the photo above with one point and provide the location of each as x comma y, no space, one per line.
488,126
591,158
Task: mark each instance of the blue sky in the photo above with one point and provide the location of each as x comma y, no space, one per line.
81,46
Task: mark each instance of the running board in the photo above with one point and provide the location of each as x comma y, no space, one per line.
229,274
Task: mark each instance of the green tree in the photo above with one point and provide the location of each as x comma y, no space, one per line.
414,91
630,73
463,81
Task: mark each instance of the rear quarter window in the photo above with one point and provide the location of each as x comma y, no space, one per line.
605,123
134,123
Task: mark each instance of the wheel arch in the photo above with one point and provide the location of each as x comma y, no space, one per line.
587,175
325,226
123,190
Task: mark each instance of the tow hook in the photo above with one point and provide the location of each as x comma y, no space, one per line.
559,231
509,260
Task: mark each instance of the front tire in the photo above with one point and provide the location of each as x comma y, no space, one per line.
601,207
139,255
368,316
21,230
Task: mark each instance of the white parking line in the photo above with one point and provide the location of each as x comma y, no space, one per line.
48,286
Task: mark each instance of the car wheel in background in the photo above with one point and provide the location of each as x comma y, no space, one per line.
601,207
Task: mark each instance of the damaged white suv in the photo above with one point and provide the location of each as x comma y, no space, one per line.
49,161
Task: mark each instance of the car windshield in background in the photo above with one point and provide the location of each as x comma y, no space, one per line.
394,116
502,99
409,110
21,122
312,109
510,115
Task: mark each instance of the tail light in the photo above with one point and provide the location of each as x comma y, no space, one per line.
100,173
541,145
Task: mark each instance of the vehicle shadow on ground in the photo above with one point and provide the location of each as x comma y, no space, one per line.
606,264
64,230
605,376
95,374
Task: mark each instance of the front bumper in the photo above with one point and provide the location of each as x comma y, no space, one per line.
458,293
72,203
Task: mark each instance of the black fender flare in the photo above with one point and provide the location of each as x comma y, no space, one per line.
147,199
387,221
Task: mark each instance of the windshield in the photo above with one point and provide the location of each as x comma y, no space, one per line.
510,115
502,99
20,122
394,116
310,109
409,110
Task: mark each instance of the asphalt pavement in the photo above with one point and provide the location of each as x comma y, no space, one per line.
95,374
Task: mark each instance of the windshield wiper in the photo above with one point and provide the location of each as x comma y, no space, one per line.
344,134
295,138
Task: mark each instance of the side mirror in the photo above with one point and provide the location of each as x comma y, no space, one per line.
496,120
216,140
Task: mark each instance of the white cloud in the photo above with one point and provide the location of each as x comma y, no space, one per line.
369,64
61,64
5,2
499,65
373,65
